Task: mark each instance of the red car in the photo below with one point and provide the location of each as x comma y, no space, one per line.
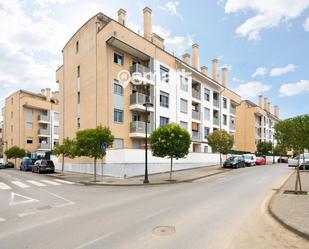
260,161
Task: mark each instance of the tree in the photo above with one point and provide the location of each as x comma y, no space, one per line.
220,141
15,152
170,141
294,134
66,149
92,143
264,148
280,150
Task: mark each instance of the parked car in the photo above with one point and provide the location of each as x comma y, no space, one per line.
6,165
283,159
2,166
250,159
41,166
234,162
260,161
26,164
293,162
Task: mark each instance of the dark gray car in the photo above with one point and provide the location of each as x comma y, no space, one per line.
41,166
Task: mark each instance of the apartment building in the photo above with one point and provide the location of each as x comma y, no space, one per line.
1,139
31,121
109,72
255,123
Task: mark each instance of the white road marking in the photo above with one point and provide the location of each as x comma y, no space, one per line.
3,186
25,200
68,202
94,241
39,184
20,184
63,181
27,214
51,182
156,213
2,220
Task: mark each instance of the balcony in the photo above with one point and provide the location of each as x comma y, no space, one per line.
232,126
138,129
216,103
43,132
44,146
196,115
233,110
138,99
216,121
196,136
141,73
43,119
196,94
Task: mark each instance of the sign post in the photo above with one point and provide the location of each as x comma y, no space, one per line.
103,147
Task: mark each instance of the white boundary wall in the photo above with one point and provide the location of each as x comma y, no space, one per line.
131,162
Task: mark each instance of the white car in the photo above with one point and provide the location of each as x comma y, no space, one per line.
250,159
293,162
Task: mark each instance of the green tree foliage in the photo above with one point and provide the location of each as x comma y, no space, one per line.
91,142
280,150
264,148
15,152
66,149
170,141
221,142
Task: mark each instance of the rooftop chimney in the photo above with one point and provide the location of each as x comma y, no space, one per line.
48,94
157,40
261,101
265,104
268,106
195,56
186,58
215,69
276,111
224,76
147,23
43,92
204,70
122,16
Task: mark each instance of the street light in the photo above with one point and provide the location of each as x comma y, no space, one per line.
146,105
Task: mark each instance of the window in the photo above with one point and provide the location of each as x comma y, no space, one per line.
206,94
11,101
11,128
56,130
206,132
56,116
163,121
224,103
135,117
29,119
184,125
11,114
118,116
118,88
183,83
78,97
77,47
206,114
164,74
224,119
206,149
118,58
183,106
29,140
164,99
118,143
78,123
78,71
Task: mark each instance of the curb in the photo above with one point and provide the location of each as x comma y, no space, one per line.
280,220
153,184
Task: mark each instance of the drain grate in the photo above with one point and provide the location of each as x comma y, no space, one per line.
164,230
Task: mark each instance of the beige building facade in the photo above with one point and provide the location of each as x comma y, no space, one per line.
31,121
109,72
255,123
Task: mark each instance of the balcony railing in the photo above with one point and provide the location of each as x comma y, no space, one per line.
216,121
233,110
43,118
139,98
232,126
216,103
142,70
196,115
196,94
44,132
44,146
140,127
196,135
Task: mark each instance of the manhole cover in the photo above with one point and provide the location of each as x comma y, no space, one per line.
164,230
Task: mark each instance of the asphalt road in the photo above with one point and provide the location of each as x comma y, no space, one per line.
223,211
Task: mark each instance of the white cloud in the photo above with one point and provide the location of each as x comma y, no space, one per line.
306,24
171,8
252,89
278,71
46,3
268,14
291,89
260,71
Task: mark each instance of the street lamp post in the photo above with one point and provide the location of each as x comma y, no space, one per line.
146,105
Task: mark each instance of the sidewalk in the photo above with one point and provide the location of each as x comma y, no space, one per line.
291,210
154,179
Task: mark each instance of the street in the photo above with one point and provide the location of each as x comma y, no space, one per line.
222,211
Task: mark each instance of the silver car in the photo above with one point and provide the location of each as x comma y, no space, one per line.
293,162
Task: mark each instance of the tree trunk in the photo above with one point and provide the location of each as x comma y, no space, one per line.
95,169
220,160
15,166
62,167
171,169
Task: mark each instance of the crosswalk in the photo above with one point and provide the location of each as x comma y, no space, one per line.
31,183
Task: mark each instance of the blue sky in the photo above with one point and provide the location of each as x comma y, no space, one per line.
264,43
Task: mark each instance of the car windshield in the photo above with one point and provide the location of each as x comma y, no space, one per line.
28,161
47,163
247,156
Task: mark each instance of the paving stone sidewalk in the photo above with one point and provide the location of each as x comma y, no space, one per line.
154,179
293,210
